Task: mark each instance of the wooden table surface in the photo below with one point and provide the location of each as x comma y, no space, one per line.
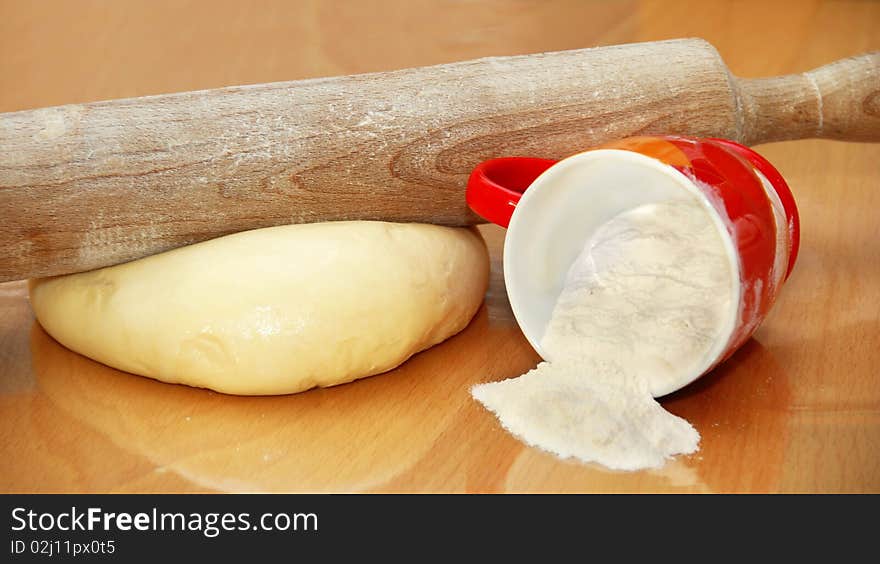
797,409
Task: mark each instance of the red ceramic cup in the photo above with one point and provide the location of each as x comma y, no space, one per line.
548,224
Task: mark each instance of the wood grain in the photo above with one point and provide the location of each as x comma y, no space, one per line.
840,100
91,185
797,409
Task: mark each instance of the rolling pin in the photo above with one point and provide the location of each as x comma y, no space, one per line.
90,185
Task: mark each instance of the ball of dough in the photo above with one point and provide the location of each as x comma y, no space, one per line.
276,310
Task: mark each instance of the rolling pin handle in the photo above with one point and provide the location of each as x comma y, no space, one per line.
840,101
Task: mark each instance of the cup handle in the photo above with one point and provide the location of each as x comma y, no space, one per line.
495,186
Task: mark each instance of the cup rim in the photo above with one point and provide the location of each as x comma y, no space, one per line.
710,202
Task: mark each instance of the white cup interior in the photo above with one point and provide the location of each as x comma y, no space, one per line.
560,211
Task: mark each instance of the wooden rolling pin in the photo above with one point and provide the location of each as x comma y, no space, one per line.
89,185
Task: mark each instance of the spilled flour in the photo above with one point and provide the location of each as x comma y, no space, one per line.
641,309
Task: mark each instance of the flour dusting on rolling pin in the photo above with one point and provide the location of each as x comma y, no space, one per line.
161,172
668,279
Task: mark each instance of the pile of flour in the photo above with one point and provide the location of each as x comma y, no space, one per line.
642,306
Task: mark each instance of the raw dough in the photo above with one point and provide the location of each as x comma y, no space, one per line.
276,310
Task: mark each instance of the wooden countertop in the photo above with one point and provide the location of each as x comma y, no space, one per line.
797,409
